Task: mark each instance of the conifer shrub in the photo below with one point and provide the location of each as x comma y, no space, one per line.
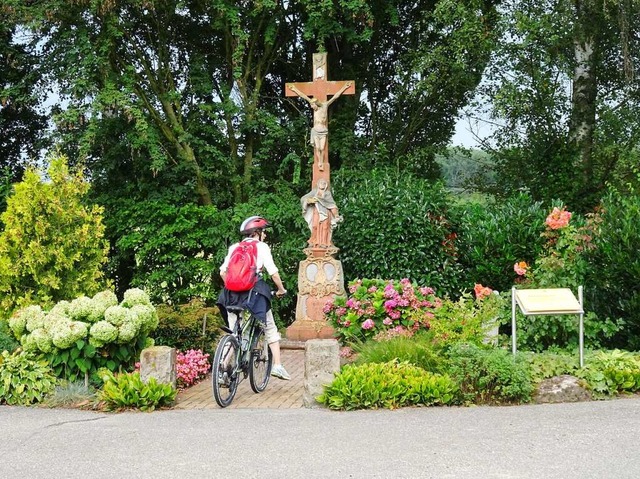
52,246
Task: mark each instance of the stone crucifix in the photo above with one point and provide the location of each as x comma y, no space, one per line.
317,93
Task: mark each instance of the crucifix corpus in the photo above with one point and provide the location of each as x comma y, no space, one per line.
320,277
317,93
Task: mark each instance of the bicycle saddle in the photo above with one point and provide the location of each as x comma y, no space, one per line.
234,309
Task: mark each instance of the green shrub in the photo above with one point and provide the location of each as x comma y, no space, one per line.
614,266
24,380
172,251
467,320
417,350
563,263
548,364
127,390
387,385
396,226
489,375
611,372
52,246
7,341
188,326
491,238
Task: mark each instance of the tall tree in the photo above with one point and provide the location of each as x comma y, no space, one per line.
22,127
562,86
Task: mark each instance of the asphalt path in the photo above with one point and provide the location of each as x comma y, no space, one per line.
579,440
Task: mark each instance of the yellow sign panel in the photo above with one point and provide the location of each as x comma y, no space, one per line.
547,301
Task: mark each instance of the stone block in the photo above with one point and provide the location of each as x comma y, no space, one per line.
321,363
158,362
559,389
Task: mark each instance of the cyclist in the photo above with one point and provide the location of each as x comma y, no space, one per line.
258,299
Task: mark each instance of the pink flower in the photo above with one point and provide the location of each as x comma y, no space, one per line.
368,324
327,307
521,268
482,291
346,352
426,291
387,321
558,218
372,289
390,304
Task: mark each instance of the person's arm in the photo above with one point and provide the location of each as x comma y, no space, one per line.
337,95
271,267
299,93
278,282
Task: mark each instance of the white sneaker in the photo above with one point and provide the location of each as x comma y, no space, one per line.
280,372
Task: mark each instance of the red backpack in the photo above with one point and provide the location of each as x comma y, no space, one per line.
242,272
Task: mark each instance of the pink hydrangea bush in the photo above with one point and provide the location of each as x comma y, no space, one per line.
192,366
375,306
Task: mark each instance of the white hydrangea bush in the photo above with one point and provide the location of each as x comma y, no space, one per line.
100,320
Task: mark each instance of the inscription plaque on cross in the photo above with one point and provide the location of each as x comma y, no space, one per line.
317,93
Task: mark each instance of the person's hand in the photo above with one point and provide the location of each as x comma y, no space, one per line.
281,292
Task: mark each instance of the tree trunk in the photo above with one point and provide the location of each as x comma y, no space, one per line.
584,89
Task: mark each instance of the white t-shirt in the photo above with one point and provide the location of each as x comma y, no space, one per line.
264,259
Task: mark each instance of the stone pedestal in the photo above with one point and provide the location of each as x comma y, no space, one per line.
158,362
321,363
320,279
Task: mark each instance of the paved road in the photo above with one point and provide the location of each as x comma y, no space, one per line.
583,440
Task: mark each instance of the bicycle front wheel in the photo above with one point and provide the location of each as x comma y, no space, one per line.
261,361
224,374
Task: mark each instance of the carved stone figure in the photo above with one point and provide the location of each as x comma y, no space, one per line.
321,214
320,129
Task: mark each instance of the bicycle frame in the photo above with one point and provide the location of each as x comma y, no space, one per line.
236,357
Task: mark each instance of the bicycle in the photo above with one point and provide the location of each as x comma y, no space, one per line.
241,352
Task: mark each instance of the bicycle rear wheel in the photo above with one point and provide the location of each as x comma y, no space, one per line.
261,361
224,374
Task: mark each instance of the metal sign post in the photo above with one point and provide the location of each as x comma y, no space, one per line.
538,302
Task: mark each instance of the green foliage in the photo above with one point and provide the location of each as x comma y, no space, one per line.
489,375
614,265
611,372
24,379
467,320
606,372
7,341
491,238
81,336
388,385
549,364
52,247
417,350
563,263
22,126
396,226
171,251
127,390
463,170
188,326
